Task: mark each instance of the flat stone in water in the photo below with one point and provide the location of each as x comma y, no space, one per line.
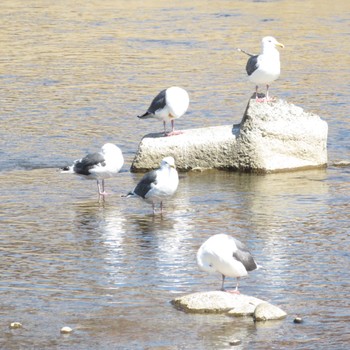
221,302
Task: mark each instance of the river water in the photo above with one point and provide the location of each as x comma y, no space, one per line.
75,75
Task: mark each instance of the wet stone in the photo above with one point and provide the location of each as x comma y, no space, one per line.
66,330
226,303
15,325
235,342
266,311
298,320
215,302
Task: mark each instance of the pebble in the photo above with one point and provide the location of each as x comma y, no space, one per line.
235,342
66,330
298,320
16,325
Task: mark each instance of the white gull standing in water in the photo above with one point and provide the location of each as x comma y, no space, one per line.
266,67
98,166
168,105
157,185
224,254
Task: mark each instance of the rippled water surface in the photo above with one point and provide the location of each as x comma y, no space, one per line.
75,75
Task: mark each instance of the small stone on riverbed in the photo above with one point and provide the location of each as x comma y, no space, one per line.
15,325
66,330
298,320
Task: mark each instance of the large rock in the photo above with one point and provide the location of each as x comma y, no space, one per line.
274,136
280,136
227,303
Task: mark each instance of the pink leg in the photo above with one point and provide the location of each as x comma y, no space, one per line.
256,93
267,92
267,98
257,99
235,291
173,132
222,283
101,187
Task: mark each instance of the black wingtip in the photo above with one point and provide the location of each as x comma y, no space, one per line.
128,195
245,52
145,115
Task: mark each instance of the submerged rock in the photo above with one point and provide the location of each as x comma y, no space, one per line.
220,302
276,136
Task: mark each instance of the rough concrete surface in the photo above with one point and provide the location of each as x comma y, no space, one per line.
272,136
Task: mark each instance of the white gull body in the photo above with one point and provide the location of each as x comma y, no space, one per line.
221,253
98,166
168,105
266,67
158,185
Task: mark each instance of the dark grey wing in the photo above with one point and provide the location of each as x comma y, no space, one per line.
158,102
83,166
252,64
243,255
145,183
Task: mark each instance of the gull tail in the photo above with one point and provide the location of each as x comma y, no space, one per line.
260,267
145,115
67,169
130,194
245,52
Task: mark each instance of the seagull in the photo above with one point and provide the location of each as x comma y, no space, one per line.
98,166
227,255
266,67
157,185
168,105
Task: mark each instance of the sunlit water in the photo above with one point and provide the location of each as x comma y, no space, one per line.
75,75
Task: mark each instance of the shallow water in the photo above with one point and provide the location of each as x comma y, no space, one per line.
74,76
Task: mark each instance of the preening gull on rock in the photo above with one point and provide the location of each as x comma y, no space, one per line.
98,166
157,185
168,105
227,255
266,67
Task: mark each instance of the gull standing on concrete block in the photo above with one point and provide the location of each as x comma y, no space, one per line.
158,185
227,255
168,105
266,67
98,166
